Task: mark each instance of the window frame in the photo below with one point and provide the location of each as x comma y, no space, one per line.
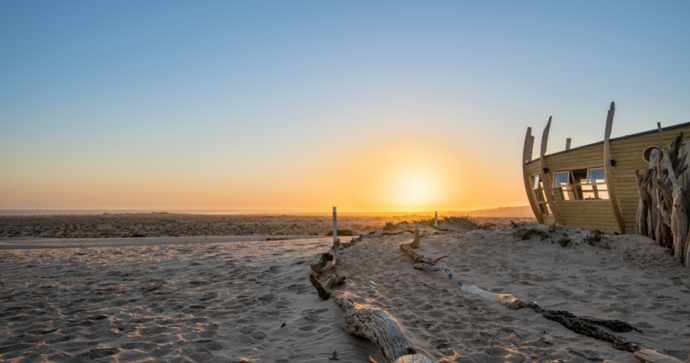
595,186
567,192
537,190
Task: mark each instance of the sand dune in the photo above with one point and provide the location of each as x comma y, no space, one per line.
224,300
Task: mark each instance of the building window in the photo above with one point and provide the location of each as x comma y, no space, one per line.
538,190
563,186
596,179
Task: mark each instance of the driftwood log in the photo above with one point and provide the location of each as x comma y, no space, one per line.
414,256
329,259
374,324
679,216
664,201
584,326
353,241
645,200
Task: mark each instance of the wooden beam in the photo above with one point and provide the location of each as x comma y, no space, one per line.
609,171
545,180
526,158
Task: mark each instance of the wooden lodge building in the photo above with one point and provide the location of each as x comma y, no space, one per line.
591,186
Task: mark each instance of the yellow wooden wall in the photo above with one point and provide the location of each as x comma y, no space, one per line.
628,155
627,152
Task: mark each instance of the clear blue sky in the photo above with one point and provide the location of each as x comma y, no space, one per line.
105,97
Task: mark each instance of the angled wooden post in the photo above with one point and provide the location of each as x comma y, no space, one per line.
609,171
526,158
545,180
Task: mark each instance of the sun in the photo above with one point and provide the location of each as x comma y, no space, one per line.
412,190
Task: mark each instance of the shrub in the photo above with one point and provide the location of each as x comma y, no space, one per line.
389,226
564,241
461,219
593,238
341,232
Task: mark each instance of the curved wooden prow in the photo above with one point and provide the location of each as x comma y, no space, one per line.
545,180
526,158
609,172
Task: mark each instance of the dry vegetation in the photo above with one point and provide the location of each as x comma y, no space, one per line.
174,225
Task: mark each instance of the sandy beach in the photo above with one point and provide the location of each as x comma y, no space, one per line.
243,299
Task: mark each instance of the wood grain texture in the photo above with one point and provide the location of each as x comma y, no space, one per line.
545,179
609,169
526,158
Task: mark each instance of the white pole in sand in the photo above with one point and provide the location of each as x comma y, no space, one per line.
335,225
435,219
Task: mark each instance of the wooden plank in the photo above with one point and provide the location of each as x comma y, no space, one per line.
589,210
549,219
570,158
609,228
609,171
650,356
593,214
597,221
580,217
526,157
546,181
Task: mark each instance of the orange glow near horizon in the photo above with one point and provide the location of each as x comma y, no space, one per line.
395,173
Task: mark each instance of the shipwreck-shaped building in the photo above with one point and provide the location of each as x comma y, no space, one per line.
592,186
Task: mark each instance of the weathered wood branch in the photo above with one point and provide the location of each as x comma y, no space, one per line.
324,292
397,233
329,259
642,206
679,224
666,192
503,299
353,241
414,256
585,326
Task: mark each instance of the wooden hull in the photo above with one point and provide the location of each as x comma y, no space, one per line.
627,153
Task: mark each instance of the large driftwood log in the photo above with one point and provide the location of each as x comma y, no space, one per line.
373,324
329,259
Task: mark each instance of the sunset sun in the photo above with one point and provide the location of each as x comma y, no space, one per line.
412,190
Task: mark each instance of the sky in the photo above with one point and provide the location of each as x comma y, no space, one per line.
304,105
